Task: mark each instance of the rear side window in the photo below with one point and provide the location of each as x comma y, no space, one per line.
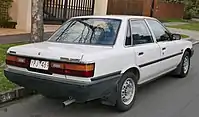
140,32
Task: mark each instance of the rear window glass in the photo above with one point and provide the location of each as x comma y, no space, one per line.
88,31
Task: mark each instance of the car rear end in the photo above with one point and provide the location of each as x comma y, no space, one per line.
58,67
47,76
58,75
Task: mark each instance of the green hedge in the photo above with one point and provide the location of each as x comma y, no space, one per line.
7,24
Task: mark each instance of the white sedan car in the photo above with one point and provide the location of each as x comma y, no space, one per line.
100,57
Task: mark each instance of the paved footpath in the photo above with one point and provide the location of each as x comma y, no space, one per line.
174,23
15,35
19,38
191,33
194,35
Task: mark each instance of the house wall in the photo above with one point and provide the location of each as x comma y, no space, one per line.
13,12
24,15
100,7
21,12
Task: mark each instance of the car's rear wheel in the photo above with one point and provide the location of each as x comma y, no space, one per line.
184,65
126,94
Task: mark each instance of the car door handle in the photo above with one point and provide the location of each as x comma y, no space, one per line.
164,48
141,53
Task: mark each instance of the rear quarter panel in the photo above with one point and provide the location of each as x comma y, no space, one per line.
115,60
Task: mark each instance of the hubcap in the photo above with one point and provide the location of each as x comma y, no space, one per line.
128,91
186,64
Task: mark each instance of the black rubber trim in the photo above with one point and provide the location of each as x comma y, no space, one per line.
106,76
152,62
61,88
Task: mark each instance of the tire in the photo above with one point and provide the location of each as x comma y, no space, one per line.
183,68
126,104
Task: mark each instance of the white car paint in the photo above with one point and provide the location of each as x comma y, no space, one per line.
110,59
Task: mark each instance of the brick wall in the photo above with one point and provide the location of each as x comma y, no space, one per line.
168,10
147,7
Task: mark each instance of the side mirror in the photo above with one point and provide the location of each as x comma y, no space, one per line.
176,36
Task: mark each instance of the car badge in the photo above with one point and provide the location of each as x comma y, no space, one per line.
39,53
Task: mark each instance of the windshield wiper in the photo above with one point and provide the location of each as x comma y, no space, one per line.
90,26
70,25
86,24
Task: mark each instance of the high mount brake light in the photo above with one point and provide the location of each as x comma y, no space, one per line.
80,70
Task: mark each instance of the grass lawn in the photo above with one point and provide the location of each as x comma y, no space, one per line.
184,36
4,83
190,26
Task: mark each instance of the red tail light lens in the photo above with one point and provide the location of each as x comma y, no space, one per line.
17,61
81,70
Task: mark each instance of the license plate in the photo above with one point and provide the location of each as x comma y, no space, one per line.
37,64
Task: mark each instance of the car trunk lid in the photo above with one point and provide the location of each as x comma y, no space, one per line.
56,51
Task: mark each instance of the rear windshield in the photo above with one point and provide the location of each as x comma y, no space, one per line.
88,31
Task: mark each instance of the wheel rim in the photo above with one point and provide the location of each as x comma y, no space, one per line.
186,64
128,91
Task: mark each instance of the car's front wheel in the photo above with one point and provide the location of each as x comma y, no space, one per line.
126,94
184,65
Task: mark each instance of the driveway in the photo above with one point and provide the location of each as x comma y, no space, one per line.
165,97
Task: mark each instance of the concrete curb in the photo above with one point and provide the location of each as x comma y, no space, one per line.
197,42
14,94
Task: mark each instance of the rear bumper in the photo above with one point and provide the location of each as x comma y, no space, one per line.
81,92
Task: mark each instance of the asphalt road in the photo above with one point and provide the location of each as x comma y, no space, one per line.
165,97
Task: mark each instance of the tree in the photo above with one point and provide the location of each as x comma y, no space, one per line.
37,27
191,8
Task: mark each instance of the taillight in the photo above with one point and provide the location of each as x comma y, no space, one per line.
17,61
80,70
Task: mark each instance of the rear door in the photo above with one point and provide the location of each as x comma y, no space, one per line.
146,50
170,52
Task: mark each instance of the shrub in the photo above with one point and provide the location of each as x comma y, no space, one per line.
4,7
4,14
7,24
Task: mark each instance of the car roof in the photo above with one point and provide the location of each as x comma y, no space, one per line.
122,17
